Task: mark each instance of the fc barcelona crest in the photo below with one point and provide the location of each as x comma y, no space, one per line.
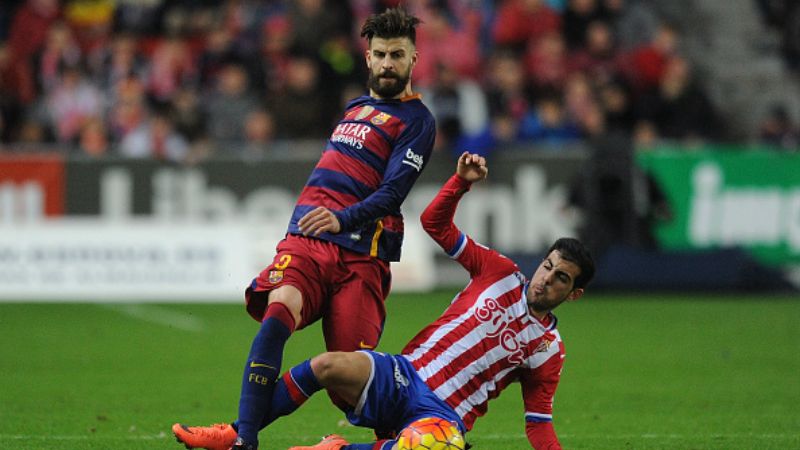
275,276
381,118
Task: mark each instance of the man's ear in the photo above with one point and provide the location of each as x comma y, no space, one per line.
575,295
414,58
367,57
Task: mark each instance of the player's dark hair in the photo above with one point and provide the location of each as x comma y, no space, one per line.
392,23
574,251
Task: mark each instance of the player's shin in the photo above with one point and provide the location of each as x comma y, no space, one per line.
291,391
262,369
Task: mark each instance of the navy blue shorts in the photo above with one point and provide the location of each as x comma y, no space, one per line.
395,396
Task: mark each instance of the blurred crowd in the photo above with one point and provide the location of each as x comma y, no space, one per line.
784,17
778,128
182,80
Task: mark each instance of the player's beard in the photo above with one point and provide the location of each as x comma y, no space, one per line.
388,88
538,301
543,305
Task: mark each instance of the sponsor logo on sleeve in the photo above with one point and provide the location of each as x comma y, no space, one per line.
414,160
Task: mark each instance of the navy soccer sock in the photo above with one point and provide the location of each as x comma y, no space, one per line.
262,369
291,391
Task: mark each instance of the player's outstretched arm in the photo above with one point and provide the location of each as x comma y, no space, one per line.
437,219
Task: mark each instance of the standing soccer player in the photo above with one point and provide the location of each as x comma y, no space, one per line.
500,329
346,228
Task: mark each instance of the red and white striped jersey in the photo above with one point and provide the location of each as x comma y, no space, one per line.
486,339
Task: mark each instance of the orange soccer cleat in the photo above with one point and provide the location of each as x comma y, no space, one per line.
330,442
220,436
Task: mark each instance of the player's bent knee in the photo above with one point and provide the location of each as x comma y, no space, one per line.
327,367
337,369
342,374
289,296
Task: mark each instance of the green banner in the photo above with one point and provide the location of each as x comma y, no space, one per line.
730,198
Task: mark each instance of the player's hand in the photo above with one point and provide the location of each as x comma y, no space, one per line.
319,220
472,167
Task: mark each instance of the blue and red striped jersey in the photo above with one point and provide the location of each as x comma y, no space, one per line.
373,157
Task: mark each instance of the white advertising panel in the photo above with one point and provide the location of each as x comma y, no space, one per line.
98,261
146,260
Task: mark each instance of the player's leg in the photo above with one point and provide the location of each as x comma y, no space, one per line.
260,371
263,365
395,397
356,314
286,296
295,287
345,373
383,398
353,320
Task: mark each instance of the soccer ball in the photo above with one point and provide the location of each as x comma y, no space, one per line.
430,433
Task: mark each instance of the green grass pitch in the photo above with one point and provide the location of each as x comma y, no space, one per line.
642,372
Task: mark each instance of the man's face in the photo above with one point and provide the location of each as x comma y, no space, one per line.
553,283
390,62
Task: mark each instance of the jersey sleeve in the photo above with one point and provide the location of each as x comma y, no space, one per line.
538,389
437,221
542,436
410,154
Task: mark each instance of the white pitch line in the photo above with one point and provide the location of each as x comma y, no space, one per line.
19,437
478,437
498,436
159,315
